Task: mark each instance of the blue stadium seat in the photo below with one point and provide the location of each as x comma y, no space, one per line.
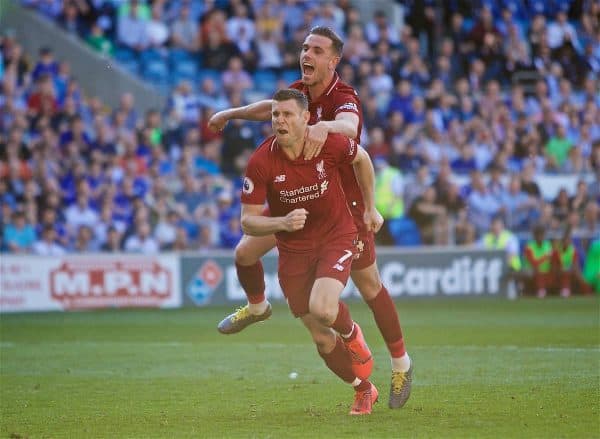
265,81
124,54
404,231
156,70
131,65
185,69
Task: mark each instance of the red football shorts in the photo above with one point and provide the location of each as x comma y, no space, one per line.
298,271
365,251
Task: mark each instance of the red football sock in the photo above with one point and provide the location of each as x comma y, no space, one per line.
252,280
388,322
343,323
565,279
339,361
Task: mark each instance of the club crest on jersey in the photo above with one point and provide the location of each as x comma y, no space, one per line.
324,186
248,186
321,170
319,112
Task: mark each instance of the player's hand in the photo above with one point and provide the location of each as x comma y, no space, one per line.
314,141
373,220
218,121
295,220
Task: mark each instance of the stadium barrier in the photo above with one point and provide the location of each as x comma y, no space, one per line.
91,281
171,280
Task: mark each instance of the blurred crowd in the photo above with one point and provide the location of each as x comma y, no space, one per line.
465,103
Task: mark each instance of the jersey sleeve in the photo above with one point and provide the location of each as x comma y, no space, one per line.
346,102
342,148
254,188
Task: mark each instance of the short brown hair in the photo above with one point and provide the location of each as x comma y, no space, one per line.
287,94
336,42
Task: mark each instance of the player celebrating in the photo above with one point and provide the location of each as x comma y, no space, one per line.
315,234
334,108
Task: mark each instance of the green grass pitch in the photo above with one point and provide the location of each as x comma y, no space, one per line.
483,368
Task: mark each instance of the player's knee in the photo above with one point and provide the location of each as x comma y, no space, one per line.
244,255
324,314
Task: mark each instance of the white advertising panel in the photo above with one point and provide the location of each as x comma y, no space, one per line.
37,283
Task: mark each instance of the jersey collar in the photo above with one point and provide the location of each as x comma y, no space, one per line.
328,90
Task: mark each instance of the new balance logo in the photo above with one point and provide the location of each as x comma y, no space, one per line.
280,178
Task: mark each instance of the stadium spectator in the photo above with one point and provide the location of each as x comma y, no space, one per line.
481,204
166,228
84,241
157,31
18,235
46,64
141,241
431,217
380,29
132,29
416,186
113,241
235,78
241,29
71,19
184,31
48,246
521,209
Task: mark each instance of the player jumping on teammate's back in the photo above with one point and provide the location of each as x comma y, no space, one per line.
334,108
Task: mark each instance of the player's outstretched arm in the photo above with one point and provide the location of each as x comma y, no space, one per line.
254,223
365,175
345,123
260,111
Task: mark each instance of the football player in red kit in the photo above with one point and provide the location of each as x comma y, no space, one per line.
315,234
334,108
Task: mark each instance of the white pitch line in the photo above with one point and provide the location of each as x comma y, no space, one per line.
465,348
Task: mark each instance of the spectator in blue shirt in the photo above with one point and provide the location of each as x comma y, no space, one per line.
18,236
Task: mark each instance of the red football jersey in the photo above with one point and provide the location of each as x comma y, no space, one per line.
295,184
338,98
